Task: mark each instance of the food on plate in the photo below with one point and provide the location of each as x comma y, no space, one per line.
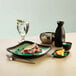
34,48
60,52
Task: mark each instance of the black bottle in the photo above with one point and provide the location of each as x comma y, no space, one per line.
59,34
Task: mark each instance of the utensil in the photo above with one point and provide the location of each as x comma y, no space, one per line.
13,58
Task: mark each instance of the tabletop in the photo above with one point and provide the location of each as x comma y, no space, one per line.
44,66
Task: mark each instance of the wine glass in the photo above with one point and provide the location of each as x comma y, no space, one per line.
22,27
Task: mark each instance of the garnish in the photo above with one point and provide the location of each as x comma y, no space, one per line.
60,52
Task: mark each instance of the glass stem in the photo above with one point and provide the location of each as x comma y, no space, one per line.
23,39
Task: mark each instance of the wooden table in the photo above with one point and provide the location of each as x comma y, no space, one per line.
45,65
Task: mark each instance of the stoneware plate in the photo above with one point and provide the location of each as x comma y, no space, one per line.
58,56
16,50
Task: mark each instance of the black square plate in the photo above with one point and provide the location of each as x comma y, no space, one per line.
16,50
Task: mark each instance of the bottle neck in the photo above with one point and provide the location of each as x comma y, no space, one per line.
60,25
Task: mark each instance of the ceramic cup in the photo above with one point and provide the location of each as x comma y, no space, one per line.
67,45
47,37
